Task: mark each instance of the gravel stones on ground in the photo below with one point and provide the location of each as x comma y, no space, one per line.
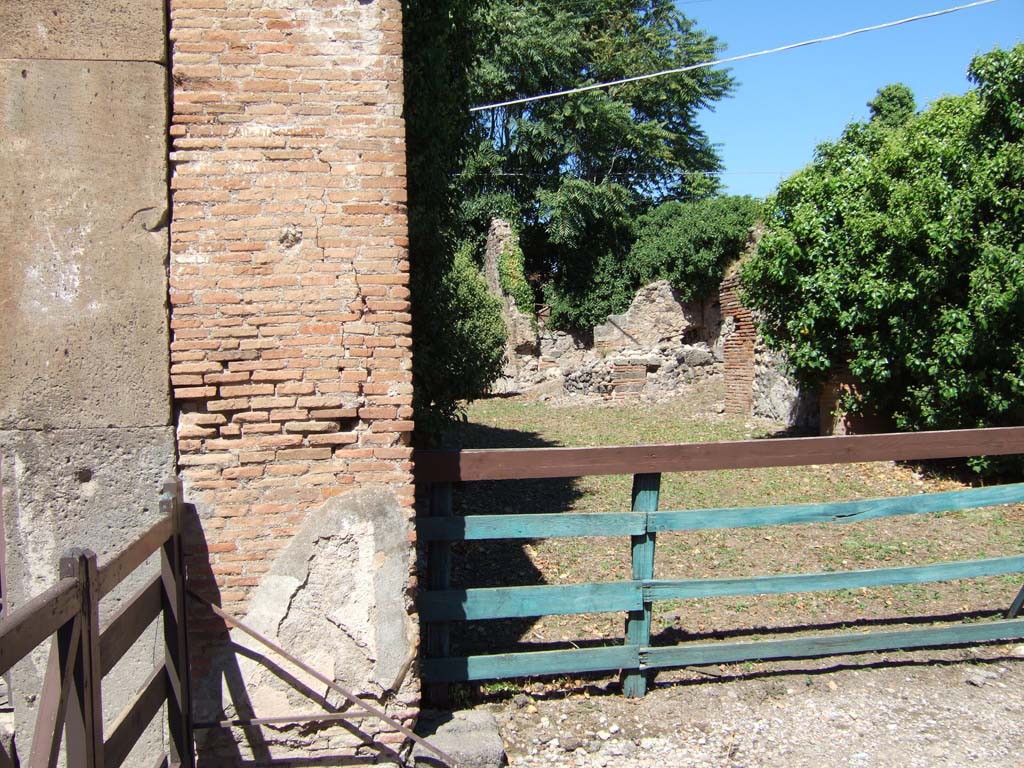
906,714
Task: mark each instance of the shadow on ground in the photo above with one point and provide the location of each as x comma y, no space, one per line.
500,563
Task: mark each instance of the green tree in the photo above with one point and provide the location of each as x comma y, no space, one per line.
458,337
690,244
573,172
893,105
900,251
570,173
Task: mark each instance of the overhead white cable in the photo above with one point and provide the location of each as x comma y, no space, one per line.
730,59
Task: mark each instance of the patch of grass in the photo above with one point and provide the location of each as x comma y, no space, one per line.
892,542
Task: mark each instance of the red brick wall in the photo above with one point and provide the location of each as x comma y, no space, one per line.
738,349
290,315
834,420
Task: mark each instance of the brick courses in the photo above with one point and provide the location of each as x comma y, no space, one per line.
738,349
289,272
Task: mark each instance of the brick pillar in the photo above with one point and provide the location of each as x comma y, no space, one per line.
834,420
291,361
738,349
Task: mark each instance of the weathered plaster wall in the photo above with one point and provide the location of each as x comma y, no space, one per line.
291,360
85,435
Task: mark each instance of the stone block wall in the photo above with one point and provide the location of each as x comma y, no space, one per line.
291,361
86,440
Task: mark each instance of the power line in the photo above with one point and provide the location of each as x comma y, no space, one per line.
730,59
542,175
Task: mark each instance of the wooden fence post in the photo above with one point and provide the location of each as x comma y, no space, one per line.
176,661
53,701
1016,605
83,724
439,568
638,625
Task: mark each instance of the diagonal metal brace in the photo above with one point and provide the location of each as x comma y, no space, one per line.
348,695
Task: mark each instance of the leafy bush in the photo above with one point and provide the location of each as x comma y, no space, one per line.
588,229
462,337
511,274
900,251
690,244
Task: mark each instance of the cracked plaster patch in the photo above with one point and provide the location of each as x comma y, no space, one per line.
335,598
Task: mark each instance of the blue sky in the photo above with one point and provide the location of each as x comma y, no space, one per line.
787,103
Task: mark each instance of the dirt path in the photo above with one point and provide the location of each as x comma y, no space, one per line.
930,709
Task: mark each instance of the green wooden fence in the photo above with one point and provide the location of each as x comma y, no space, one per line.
441,605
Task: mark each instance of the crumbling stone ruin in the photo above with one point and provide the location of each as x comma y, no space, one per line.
656,348
659,344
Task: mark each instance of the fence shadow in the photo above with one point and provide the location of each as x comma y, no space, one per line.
500,563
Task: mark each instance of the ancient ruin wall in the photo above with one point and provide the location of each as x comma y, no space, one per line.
757,381
85,421
740,340
291,355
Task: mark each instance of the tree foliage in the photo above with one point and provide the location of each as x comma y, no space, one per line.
574,172
458,337
588,231
690,244
571,174
900,251
893,105
639,135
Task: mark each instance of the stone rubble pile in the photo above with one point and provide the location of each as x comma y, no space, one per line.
656,348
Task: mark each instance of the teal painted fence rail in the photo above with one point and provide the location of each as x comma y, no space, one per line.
441,605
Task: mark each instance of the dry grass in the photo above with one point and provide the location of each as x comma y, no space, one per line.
911,540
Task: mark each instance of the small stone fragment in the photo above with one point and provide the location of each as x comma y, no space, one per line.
570,742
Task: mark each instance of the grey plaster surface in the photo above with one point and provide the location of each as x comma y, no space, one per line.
85,435
93,488
336,598
83,200
776,394
121,30
348,565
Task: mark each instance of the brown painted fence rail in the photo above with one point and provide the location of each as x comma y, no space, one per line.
70,712
440,605
530,463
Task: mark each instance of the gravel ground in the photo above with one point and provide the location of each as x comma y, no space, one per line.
940,708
